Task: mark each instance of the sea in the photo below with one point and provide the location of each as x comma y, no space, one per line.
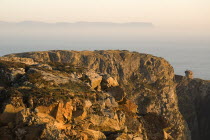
196,58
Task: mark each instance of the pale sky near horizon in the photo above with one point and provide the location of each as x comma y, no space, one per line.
173,13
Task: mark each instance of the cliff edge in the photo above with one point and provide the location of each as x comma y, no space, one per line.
194,103
89,95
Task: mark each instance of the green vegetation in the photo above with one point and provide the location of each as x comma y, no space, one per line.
43,93
48,94
66,67
76,87
35,77
9,64
4,71
44,96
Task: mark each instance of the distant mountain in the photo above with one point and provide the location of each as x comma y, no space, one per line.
129,24
75,24
4,23
31,23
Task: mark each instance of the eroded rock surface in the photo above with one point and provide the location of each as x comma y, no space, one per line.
194,104
89,95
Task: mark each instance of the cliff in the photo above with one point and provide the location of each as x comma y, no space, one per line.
194,104
89,95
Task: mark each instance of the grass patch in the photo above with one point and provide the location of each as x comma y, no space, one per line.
9,64
66,67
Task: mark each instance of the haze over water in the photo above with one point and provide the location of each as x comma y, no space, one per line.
177,30
184,50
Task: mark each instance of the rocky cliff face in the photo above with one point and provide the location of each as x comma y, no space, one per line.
89,95
194,104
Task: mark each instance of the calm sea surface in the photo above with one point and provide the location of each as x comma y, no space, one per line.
181,58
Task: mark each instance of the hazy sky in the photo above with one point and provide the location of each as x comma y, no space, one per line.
174,13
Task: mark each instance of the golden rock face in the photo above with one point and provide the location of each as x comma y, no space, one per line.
92,95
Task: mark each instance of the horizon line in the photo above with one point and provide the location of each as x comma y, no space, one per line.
38,21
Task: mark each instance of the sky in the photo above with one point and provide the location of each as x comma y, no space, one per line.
192,14
181,28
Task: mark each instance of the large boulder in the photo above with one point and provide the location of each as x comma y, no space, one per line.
104,123
94,80
108,82
61,111
9,113
93,135
117,92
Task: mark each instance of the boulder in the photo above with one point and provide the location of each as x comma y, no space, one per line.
64,112
117,92
45,66
110,102
9,113
124,136
105,123
94,79
130,106
189,74
15,73
61,111
93,135
81,108
108,82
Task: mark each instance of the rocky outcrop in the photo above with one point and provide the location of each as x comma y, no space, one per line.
92,95
53,78
93,79
193,96
108,81
28,61
122,64
189,74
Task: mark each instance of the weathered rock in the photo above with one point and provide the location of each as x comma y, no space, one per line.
124,137
130,106
117,92
108,81
81,109
52,133
16,72
193,96
138,99
45,66
20,133
87,104
93,135
63,112
28,61
104,123
111,103
9,113
189,74
94,79
50,77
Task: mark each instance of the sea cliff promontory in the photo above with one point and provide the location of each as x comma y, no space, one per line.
85,95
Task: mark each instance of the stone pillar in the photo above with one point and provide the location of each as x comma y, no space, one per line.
189,74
